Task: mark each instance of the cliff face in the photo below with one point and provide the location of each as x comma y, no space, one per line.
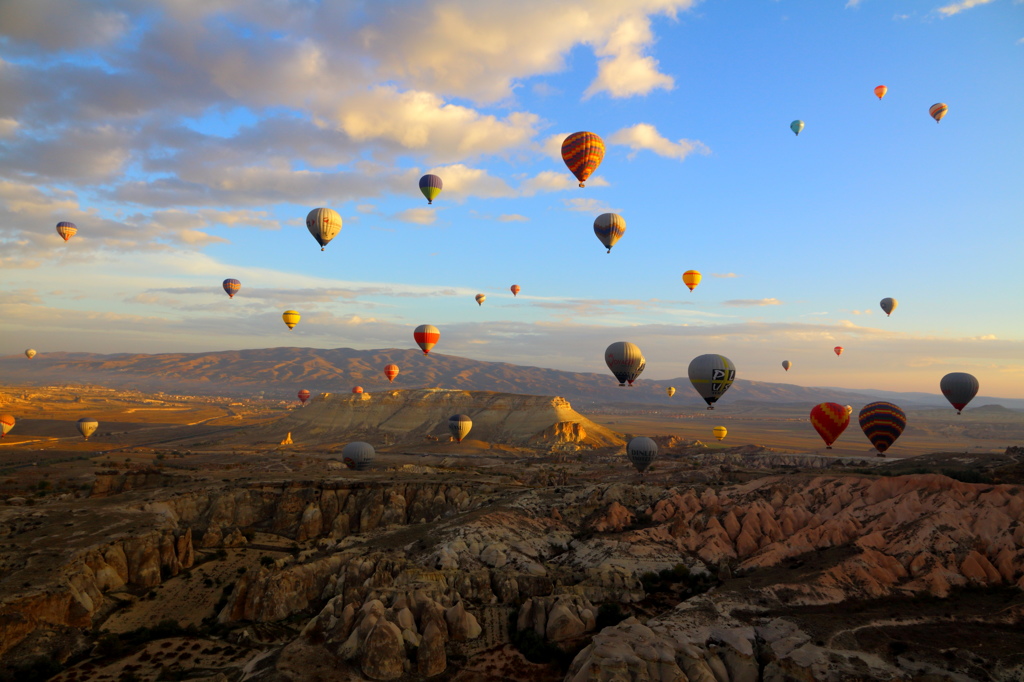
408,416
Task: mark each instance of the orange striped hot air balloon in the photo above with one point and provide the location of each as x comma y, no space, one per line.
691,278
582,153
66,229
480,298
6,424
829,420
426,337
391,371
880,91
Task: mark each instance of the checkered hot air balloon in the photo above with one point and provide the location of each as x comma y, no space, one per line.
829,420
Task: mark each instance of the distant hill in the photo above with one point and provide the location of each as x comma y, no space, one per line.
281,372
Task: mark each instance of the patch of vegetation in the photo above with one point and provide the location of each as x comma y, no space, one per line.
610,614
678,580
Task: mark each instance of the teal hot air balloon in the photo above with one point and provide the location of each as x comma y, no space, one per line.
882,423
641,451
609,228
431,186
357,455
711,376
796,126
959,389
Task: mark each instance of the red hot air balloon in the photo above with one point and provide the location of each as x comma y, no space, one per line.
303,396
357,389
515,289
582,153
838,350
426,336
391,371
829,420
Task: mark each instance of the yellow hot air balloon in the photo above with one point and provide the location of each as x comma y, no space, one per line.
6,424
880,91
691,278
670,391
87,426
30,353
480,298
937,111
291,318
720,432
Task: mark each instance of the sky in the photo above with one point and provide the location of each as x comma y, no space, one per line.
188,139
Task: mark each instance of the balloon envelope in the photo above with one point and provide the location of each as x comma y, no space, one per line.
357,455
882,423
291,318
880,91
6,424
515,289
480,298
357,389
30,353
959,389
324,224
889,305
303,396
786,364
625,361
459,425
937,111
582,153
711,376
720,432
66,230
670,391
231,287
849,409
796,126
426,336
391,371
609,228
838,350
641,451
431,186
829,420
691,278
87,427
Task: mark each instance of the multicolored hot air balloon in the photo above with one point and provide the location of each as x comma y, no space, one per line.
431,186
959,389
625,361
838,350
829,420
937,111
882,423
66,230
849,409
426,336
291,318
889,305
720,432
609,228
515,289
459,425
231,287
391,371
303,396
480,298
670,391
880,91
711,376
582,153
786,364
324,224
641,451
691,278
30,353
87,426
357,389
6,424
357,455
796,126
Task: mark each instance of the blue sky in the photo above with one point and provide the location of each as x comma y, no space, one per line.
187,140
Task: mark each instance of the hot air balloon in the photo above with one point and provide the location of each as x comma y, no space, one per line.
324,224
582,153
515,289
87,427
838,350
937,111
625,361
480,298
291,318
426,336
720,432
889,305
670,391
829,420
691,278
459,425
66,230
849,409
880,91
303,396
391,371
641,451
357,389
796,126
6,424
786,364
959,389
431,186
711,376
357,455
30,353
231,287
609,228
882,423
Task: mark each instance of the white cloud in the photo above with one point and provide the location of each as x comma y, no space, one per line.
750,302
724,275
587,205
513,218
61,25
957,7
646,136
556,181
8,126
461,181
623,70
418,216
